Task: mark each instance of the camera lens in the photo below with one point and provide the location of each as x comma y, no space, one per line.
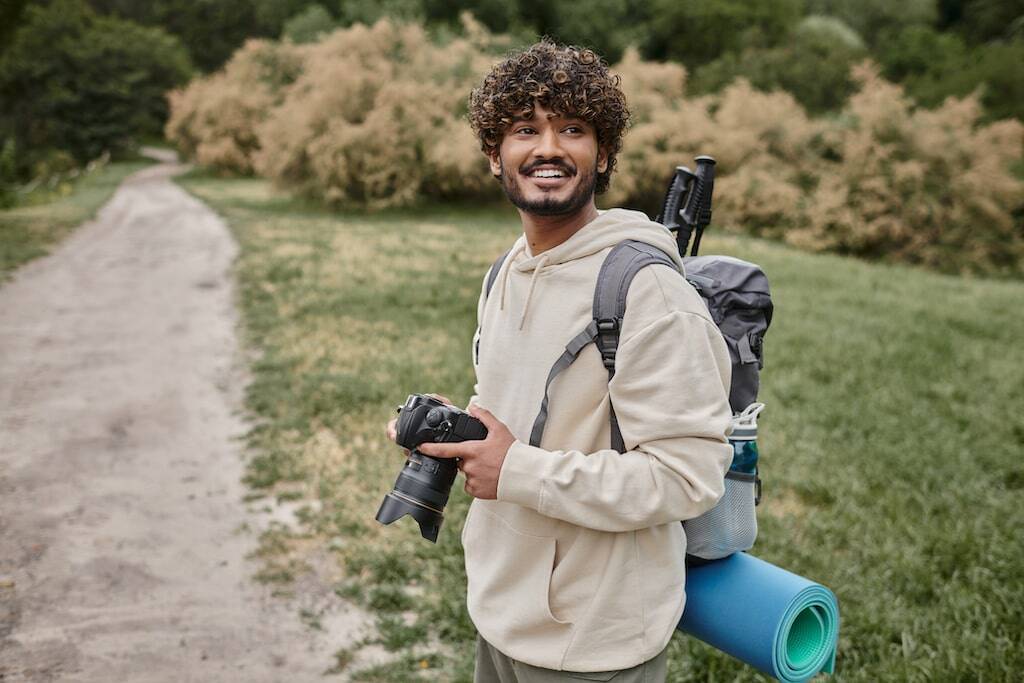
421,491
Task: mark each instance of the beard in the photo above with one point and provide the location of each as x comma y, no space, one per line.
548,205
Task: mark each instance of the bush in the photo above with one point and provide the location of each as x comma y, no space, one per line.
359,120
85,84
214,119
374,117
918,186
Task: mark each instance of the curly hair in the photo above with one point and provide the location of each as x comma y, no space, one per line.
566,79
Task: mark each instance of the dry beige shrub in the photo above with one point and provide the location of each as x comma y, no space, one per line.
921,186
214,119
760,140
375,119
649,86
374,116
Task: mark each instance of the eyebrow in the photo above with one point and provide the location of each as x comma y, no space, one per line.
552,115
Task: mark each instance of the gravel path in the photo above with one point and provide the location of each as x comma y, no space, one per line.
121,556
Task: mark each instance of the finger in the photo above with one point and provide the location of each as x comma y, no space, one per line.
485,416
445,450
392,429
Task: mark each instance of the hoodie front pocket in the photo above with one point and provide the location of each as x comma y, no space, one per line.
509,581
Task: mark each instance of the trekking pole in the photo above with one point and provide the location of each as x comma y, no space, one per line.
678,187
696,214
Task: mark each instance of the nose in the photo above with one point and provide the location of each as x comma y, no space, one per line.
548,144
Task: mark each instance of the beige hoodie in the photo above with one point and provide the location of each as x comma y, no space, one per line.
578,564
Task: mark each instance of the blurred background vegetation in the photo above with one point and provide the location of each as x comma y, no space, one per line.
883,130
334,143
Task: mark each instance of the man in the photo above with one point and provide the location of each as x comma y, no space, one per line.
574,551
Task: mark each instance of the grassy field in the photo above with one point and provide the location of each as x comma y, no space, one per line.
47,216
893,442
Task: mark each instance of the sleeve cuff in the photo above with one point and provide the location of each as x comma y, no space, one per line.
520,480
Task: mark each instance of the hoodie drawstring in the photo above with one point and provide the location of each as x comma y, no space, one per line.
509,260
529,294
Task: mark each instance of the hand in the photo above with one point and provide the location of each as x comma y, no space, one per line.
392,427
481,460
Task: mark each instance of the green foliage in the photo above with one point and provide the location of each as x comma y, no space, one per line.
607,26
10,16
934,65
309,25
497,15
371,11
210,30
813,65
893,476
272,15
697,32
981,21
85,84
869,18
8,174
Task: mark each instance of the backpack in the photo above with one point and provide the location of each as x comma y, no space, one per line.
738,298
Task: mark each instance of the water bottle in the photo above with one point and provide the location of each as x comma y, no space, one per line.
744,439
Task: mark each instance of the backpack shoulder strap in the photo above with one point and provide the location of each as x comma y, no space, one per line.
492,274
621,265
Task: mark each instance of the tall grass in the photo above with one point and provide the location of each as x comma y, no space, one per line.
892,442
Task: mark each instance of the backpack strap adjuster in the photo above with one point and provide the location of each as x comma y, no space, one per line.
608,340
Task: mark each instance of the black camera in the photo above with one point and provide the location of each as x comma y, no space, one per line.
423,485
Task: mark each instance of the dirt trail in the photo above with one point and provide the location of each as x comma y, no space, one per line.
120,496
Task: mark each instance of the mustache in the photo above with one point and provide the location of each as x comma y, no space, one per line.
558,163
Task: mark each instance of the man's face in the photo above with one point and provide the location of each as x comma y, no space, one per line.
548,163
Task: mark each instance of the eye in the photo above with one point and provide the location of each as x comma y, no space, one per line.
525,130
574,129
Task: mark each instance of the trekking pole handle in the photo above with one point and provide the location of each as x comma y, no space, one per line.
697,212
678,190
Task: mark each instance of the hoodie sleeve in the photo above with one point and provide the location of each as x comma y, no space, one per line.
670,394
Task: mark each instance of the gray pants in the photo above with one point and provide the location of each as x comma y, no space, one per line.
494,667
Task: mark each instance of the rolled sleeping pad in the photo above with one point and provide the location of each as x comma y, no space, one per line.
775,621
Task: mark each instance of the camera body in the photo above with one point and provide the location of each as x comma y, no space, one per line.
424,419
424,484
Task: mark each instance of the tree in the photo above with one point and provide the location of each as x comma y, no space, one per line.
85,84
695,33
813,65
211,30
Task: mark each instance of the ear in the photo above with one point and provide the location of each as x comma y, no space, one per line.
602,160
494,159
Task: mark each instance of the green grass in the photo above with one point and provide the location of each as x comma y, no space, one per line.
47,216
893,449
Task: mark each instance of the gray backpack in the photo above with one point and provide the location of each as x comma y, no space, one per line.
737,296
739,301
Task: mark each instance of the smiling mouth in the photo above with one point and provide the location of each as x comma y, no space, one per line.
549,177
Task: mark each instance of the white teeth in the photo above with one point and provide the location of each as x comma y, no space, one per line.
548,174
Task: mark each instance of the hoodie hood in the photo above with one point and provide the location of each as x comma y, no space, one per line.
608,229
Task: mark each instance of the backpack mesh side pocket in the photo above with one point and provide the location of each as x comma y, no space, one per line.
729,527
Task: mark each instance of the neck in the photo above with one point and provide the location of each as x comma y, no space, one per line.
546,232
